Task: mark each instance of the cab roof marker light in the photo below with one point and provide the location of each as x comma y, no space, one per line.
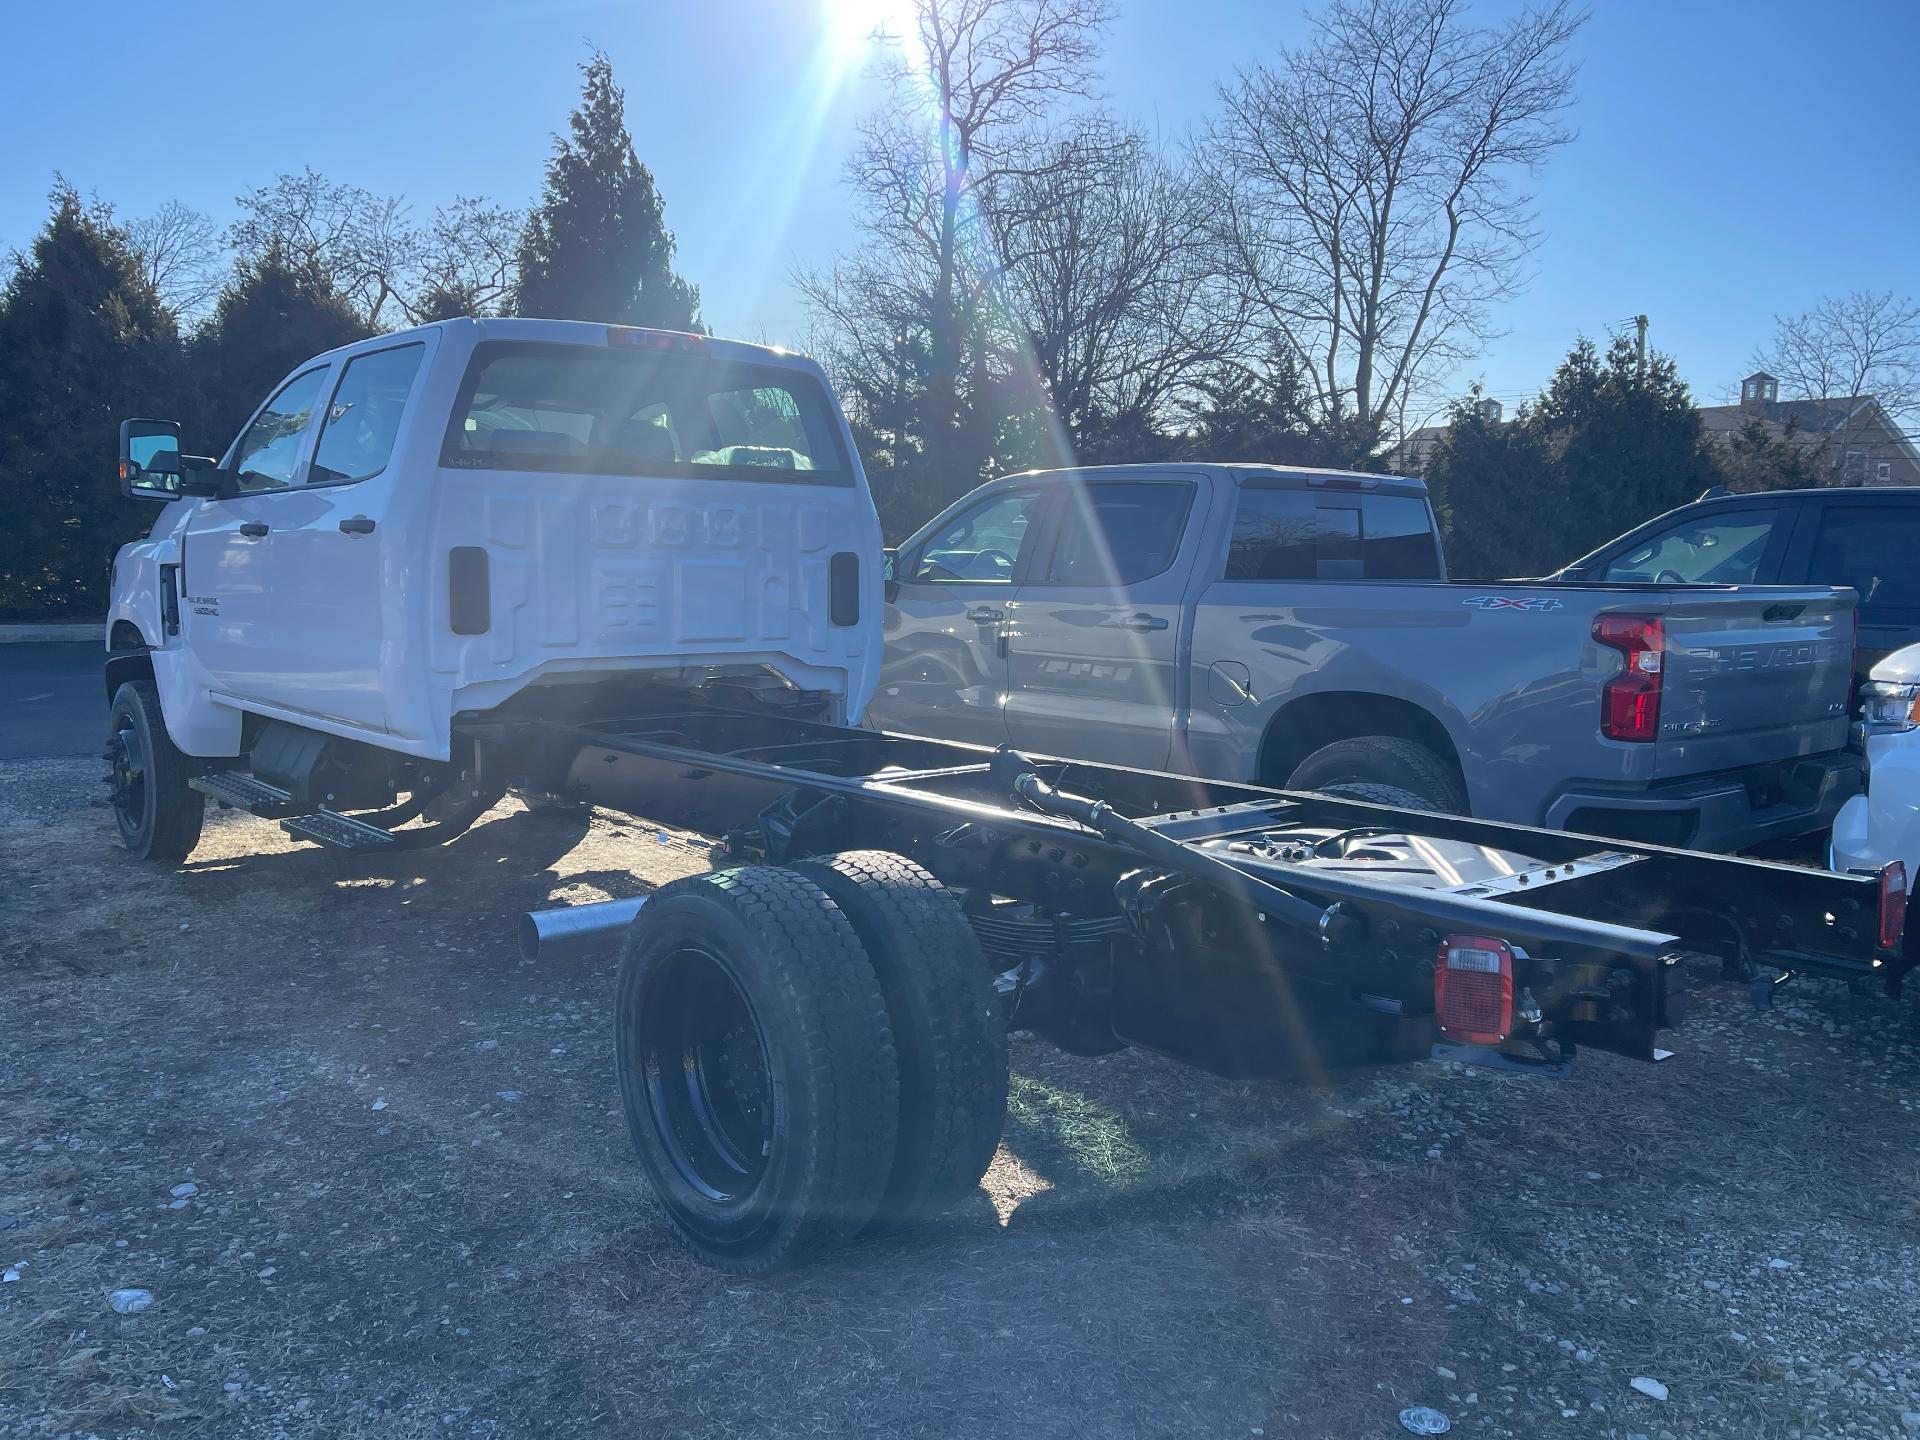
635,338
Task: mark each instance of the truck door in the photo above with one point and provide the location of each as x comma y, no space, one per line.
945,674
329,595
230,614
1094,632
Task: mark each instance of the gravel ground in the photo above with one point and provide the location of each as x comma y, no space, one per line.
368,1165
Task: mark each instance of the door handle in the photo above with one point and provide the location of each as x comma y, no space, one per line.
986,615
1141,624
356,525
253,528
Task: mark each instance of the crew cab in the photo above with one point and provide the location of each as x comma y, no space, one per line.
431,523
1866,538
1296,628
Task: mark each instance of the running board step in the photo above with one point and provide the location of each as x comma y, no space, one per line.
342,832
244,792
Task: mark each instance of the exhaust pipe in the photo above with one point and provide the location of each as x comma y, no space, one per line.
571,930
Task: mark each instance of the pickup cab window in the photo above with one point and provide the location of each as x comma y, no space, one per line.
356,438
1871,548
269,447
1720,550
1290,534
981,544
1118,534
581,410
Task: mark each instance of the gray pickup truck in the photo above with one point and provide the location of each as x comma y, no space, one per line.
1296,628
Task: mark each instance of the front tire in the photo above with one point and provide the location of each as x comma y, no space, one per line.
157,813
756,1067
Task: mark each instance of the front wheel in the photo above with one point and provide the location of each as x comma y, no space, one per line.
157,813
756,1067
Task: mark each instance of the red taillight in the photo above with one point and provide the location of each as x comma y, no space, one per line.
1473,989
1893,903
1630,702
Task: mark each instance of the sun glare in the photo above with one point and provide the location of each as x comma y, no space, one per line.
852,24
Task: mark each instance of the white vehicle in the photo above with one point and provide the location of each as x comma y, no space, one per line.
447,520
1882,826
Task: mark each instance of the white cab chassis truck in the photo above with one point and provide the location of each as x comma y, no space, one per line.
643,569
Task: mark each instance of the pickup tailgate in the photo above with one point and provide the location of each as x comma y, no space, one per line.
1753,676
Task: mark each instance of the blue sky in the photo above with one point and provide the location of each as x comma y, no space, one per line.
1735,160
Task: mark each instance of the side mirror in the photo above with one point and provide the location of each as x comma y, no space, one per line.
890,568
150,460
201,476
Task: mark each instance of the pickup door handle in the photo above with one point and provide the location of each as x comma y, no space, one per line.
253,528
356,525
1141,624
986,615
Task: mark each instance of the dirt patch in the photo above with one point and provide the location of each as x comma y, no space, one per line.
414,1211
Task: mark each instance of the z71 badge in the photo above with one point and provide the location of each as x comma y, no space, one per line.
1536,603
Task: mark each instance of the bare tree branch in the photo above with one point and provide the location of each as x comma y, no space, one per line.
182,256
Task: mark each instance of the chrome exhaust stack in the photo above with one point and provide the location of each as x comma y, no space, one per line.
572,930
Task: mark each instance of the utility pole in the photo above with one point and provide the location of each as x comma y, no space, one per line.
1640,341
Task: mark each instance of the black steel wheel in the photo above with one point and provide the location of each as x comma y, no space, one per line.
156,812
949,1027
756,1068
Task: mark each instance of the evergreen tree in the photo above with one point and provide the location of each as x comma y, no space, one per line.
597,247
1500,496
84,344
1754,460
274,313
1627,439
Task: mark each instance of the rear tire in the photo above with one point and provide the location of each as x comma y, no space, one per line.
756,1069
949,1029
1383,760
1378,795
158,814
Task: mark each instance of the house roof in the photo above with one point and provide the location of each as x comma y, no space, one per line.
1812,417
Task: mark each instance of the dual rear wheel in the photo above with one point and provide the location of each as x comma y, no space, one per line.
806,1052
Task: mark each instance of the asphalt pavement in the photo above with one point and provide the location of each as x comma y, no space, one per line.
51,700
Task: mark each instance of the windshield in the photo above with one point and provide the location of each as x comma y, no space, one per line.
577,409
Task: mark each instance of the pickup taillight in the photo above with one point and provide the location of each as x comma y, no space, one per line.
1630,701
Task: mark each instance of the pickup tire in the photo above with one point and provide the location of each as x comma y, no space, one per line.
949,1029
1382,760
756,1067
158,814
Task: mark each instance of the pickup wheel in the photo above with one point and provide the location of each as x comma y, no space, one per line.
157,813
949,1029
756,1067
1382,760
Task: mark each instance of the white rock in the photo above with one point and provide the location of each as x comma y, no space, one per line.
184,1190
11,1274
379,1104
1649,1387
1444,1373
129,1302
1779,1264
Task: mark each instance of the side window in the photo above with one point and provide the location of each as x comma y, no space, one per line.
358,433
265,456
1118,534
1721,550
980,544
1871,548
1398,538
1294,535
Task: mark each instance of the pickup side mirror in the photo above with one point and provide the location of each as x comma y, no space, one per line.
150,466
201,475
